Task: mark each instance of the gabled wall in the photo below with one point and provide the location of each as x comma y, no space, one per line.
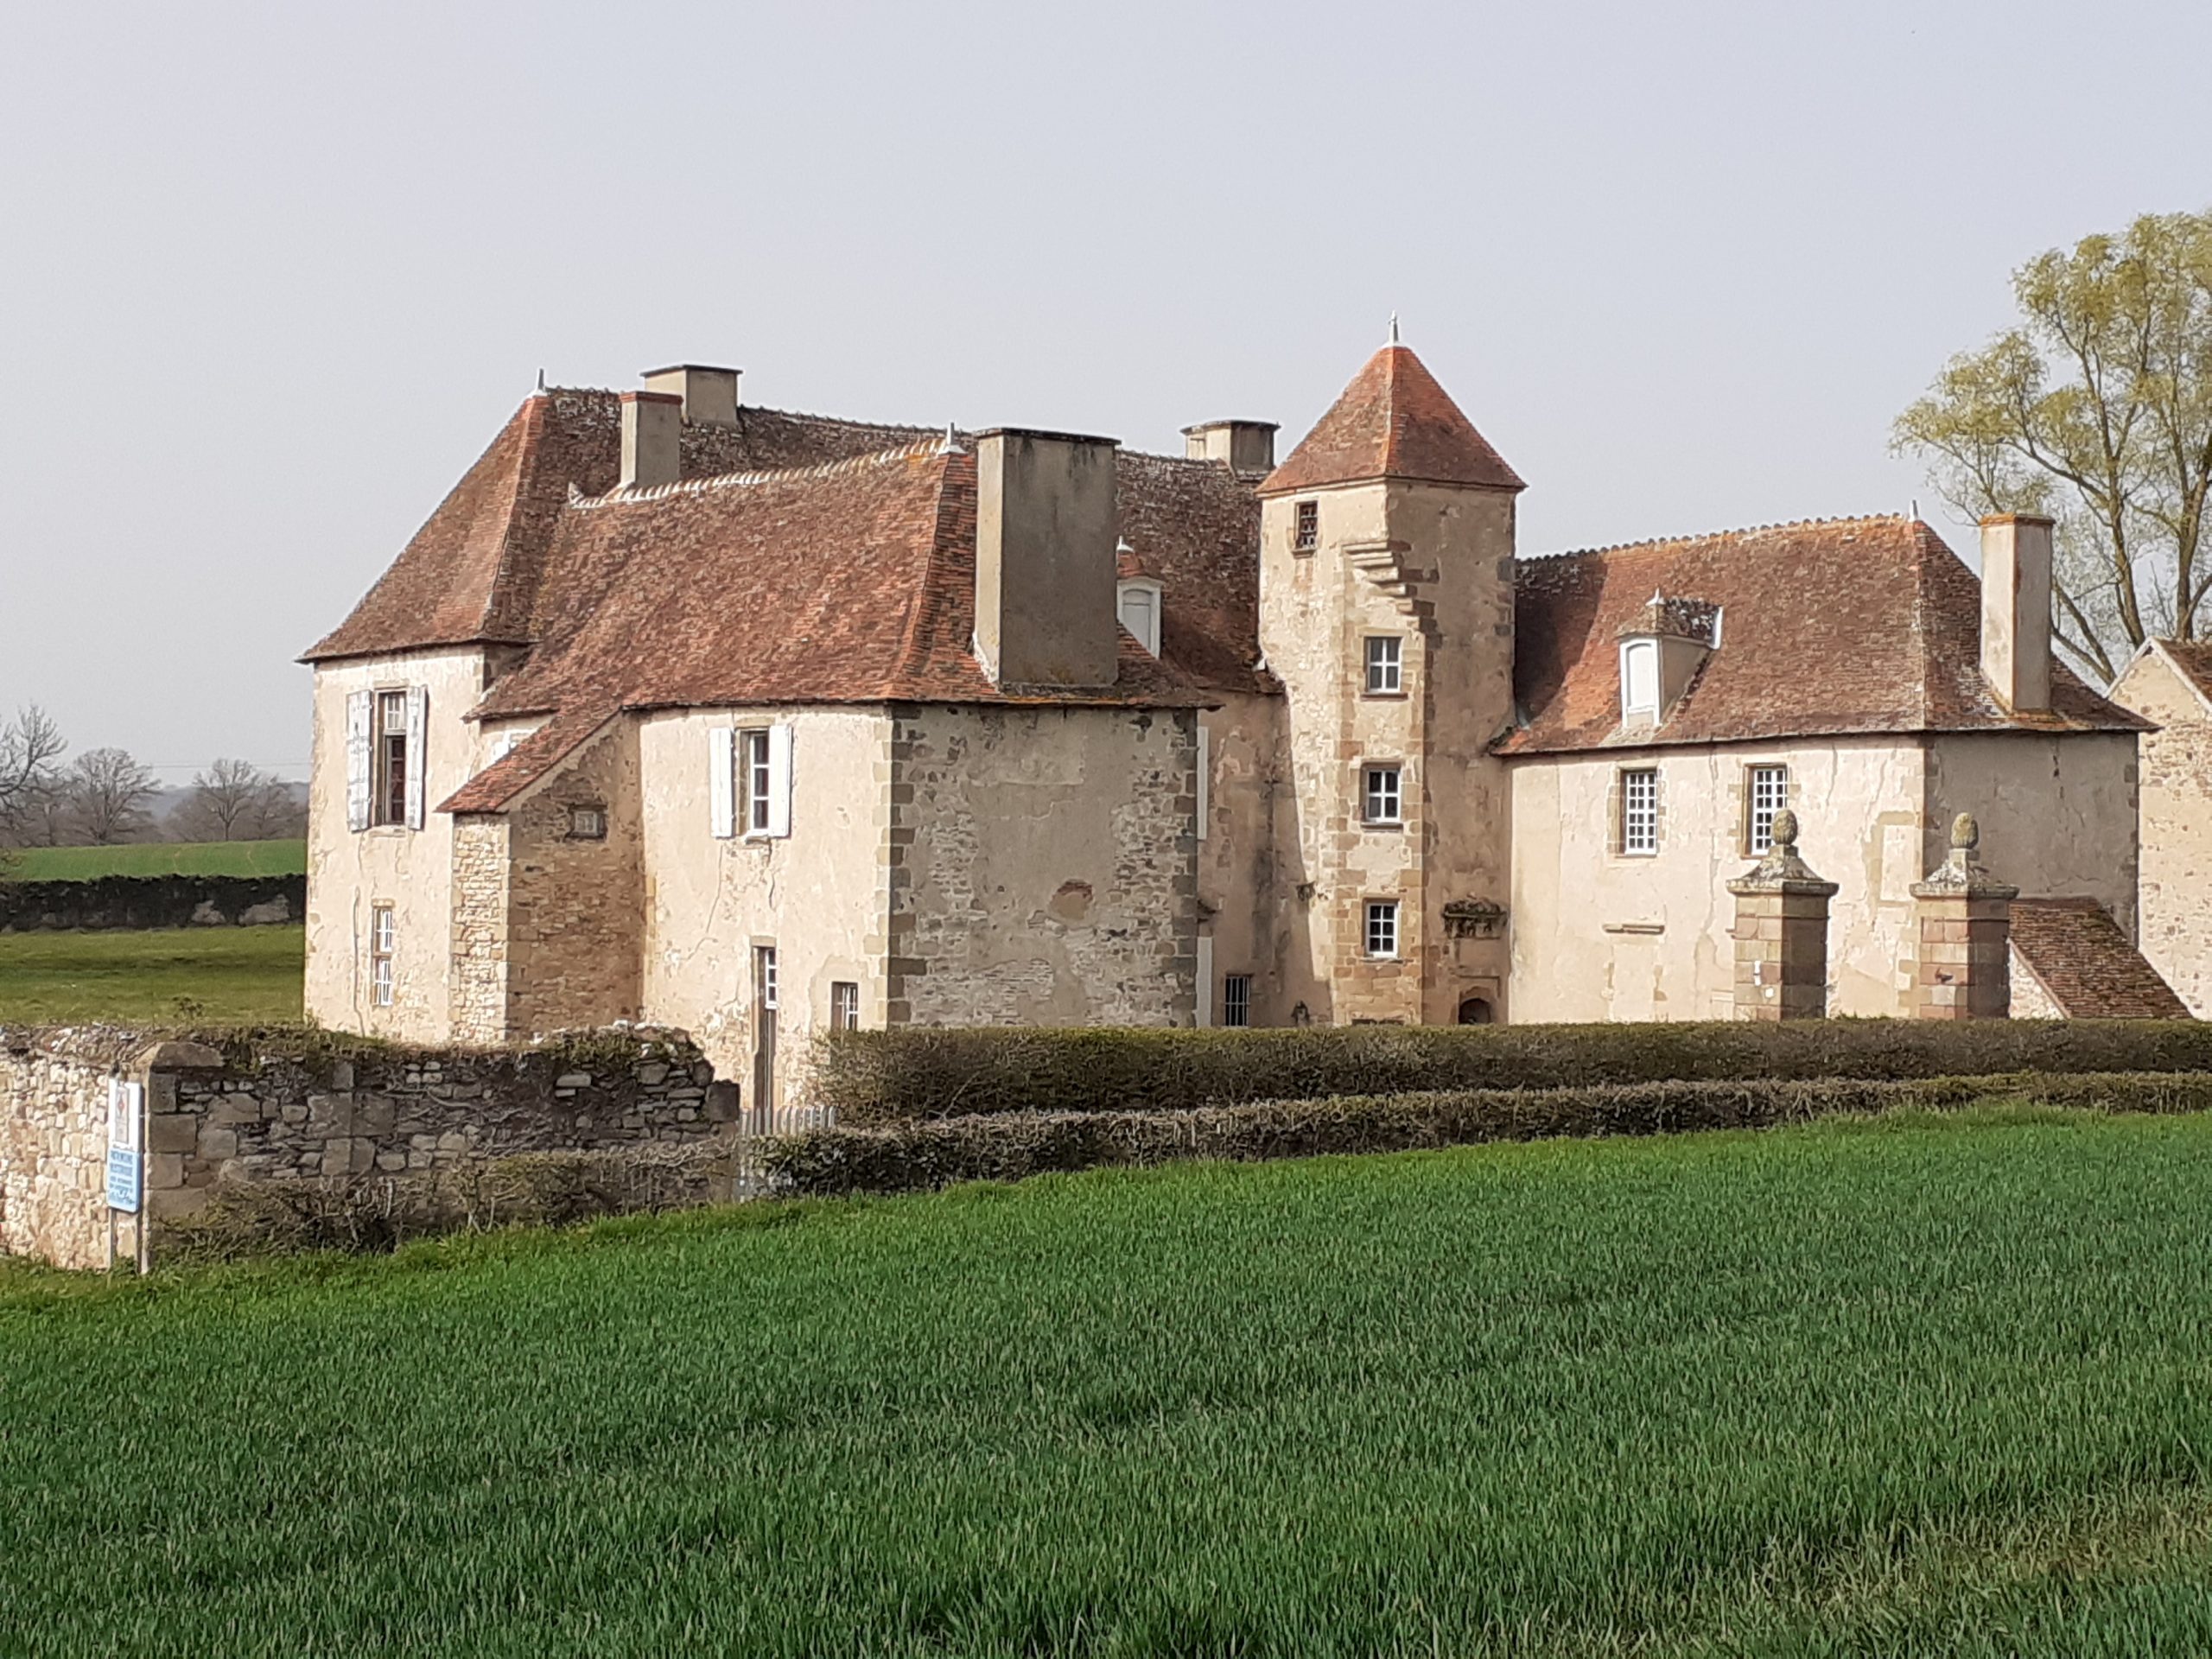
349,871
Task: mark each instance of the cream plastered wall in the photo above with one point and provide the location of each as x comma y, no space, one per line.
818,895
350,871
1235,857
2058,815
1045,866
1432,566
1598,935
2176,899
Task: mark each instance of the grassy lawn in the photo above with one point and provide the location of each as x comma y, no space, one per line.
1907,1387
156,858
219,975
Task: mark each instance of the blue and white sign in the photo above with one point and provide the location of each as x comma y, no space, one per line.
126,1159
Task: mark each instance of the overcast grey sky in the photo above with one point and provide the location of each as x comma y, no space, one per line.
271,277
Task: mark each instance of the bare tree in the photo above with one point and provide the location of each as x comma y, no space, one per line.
30,746
2096,411
234,800
107,792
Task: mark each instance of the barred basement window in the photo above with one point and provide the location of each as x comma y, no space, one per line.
1306,534
587,822
1236,999
1768,794
1385,659
845,1006
383,933
1382,927
1640,811
1381,797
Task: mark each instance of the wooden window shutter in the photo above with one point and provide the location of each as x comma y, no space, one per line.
418,722
721,780
780,780
359,711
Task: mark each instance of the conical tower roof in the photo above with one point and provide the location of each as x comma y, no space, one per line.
1393,420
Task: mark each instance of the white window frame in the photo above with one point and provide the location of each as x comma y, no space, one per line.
1305,525
1639,679
1379,932
397,715
1766,791
844,1004
1381,792
1639,826
1236,1001
1385,674
383,941
1145,630
767,976
751,782
1206,776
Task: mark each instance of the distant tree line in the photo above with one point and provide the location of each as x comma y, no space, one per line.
104,797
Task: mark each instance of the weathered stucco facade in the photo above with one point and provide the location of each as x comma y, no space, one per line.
753,724
2171,684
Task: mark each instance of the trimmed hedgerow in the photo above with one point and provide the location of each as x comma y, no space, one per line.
924,1153
887,1077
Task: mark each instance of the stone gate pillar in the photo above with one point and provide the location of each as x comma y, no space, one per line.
1782,933
1966,935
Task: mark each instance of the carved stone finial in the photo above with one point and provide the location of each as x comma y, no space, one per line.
1965,834
1961,875
1781,870
1785,833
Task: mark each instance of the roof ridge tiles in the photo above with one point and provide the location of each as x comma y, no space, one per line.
1716,534
620,496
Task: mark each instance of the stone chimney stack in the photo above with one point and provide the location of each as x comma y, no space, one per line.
710,394
1044,569
1241,445
2016,610
651,425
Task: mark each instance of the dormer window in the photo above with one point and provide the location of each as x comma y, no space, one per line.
1640,680
1138,602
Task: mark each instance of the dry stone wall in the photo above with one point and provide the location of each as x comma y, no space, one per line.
130,901
310,1108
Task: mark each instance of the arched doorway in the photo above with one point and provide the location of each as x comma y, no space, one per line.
1475,1011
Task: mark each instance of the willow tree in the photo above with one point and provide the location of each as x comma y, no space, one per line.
2096,411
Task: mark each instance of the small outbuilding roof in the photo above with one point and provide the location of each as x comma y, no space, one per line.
2080,957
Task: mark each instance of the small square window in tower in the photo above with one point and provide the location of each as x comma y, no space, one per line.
1306,532
1382,928
1385,665
1767,793
1380,795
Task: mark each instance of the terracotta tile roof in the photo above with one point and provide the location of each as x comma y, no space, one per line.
473,572
853,581
1393,420
537,755
1827,628
2083,959
2194,659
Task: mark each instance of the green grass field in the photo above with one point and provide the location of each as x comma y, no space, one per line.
232,975
156,858
1906,1387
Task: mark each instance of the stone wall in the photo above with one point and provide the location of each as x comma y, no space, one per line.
1043,866
130,901
576,900
312,1108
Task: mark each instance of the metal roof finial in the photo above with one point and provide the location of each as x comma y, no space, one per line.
951,444
1394,328
541,382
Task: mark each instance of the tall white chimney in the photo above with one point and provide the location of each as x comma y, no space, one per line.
652,427
2016,610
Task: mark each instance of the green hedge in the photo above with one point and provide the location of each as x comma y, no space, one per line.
885,1077
925,1153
